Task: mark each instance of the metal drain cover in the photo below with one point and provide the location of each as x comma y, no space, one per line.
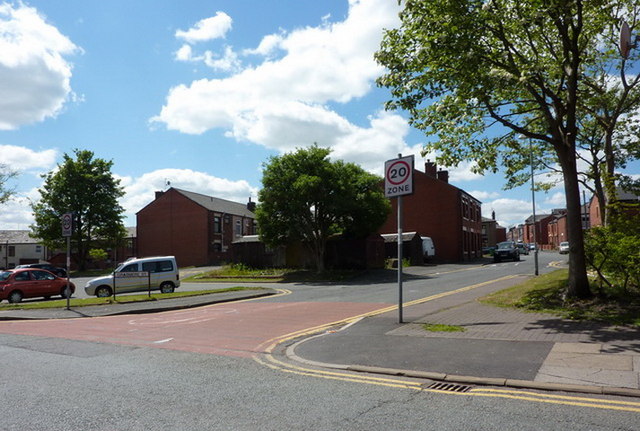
449,387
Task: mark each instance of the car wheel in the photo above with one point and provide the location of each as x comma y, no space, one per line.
167,287
103,292
65,293
15,297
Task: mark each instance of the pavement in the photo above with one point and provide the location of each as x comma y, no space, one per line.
498,347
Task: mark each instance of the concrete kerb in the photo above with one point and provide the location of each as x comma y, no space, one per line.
459,379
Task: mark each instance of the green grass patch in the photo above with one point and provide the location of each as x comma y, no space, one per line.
242,273
120,299
437,327
546,294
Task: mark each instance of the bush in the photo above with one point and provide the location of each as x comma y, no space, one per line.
613,253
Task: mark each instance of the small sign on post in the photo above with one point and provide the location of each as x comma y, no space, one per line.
67,231
398,177
67,224
398,182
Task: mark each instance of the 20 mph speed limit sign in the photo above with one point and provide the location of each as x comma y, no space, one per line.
67,224
398,177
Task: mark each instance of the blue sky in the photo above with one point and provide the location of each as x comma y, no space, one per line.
202,93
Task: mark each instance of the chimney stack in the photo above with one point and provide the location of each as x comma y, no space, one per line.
443,176
159,193
251,206
430,169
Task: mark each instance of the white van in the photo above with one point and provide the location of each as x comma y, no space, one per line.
428,249
136,275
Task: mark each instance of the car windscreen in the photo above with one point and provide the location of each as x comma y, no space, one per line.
4,275
505,245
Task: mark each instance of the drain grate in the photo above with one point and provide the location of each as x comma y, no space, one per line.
449,387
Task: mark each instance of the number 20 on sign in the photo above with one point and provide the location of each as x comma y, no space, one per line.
398,177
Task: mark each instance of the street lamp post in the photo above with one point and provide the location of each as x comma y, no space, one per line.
533,200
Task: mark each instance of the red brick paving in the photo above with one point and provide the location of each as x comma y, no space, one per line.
230,329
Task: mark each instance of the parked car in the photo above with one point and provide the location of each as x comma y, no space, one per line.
532,246
523,248
563,248
506,250
155,273
60,272
16,284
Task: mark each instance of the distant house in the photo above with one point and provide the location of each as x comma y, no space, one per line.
447,214
630,201
492,232
541,226
195,228
18,248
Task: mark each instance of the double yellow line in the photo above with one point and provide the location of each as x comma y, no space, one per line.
267,359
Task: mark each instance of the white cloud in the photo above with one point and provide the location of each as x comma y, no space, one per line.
282,103
483,196
228,61
140,191
463,172
268,45
207,29
509,212
34,76
21,158
558,200
16,214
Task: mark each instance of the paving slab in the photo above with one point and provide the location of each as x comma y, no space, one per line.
588,376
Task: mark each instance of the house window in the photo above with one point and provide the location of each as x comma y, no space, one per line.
38,248
12,250
217,227
217,247
238,228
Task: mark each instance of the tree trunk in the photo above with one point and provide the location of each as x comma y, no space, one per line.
578,281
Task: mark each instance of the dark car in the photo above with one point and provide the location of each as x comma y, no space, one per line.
506,250
60,272
16,284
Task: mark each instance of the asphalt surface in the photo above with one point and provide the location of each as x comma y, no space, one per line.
498,347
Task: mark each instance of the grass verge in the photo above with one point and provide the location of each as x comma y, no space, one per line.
438,327
546,294
241,273
120,299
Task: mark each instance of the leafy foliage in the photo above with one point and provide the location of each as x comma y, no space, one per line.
85,187
613,252
5,175
307,198
478,75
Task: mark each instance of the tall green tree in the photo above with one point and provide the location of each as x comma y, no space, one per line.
85,187
6,174
481,75
306,197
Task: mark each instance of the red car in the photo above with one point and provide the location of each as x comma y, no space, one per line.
16,284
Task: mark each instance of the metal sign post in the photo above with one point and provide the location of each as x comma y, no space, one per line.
398,181
67,231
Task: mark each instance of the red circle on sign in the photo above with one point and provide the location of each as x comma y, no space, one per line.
398,175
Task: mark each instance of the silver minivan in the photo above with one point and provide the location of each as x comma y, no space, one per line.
155,273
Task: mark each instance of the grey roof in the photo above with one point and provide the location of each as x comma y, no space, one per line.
247,238
217,204
17,237
393,237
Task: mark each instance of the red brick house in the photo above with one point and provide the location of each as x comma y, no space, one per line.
447,214
196,229
630,203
